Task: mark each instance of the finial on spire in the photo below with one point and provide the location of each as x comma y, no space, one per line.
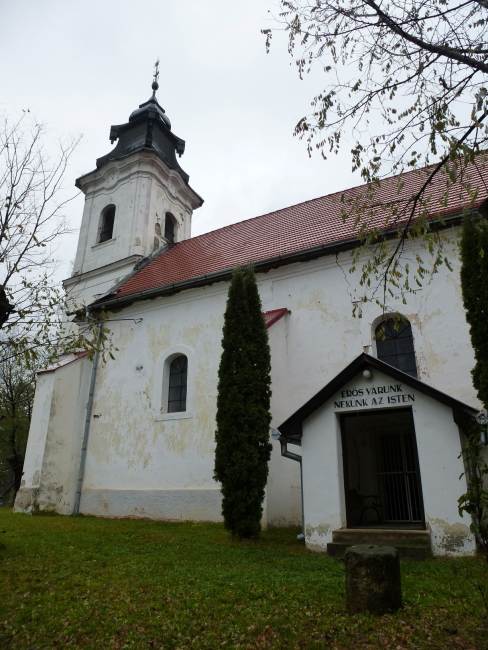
155,84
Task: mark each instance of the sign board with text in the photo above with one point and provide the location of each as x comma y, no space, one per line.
373,396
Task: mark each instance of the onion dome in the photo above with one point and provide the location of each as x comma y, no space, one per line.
150,110
148,129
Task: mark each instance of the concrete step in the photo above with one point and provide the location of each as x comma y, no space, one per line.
410,543
400,537
411,551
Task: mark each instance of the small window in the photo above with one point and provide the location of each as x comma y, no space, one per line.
394,344
107,224
169,228
178,370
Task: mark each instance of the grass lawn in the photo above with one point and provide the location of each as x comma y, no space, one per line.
95,583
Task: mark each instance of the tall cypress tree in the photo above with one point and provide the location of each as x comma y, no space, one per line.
474,282
243,416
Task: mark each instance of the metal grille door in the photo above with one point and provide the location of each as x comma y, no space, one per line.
398,478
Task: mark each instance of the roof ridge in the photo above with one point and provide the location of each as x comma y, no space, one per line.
295,205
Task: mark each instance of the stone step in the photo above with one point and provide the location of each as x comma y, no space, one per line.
410,551
398,537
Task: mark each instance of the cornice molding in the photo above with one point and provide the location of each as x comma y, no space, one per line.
101,270
146,163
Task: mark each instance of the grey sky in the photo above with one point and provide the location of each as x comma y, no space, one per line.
82,66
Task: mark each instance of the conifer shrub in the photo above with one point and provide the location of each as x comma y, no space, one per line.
243,416
474,283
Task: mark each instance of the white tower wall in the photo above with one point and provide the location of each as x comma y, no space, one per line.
142,189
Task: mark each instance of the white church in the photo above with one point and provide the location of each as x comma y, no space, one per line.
367,429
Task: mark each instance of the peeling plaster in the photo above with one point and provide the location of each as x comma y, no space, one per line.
451,538
318,536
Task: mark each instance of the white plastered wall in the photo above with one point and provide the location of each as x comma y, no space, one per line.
36,442
53,450
283,492
144,462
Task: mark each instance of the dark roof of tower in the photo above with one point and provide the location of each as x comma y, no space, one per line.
148,129
150,110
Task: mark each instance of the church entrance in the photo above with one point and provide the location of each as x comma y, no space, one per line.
381,470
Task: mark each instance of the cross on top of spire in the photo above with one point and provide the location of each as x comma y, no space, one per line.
155,84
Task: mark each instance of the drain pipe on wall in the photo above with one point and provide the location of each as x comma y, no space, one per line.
86,429
276,435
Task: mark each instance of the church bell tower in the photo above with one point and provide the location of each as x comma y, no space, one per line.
137,201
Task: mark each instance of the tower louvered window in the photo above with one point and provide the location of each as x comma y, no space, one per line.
107,224
169,228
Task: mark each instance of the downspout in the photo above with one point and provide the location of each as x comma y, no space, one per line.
86,430
296,457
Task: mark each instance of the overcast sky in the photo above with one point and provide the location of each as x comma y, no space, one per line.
82,66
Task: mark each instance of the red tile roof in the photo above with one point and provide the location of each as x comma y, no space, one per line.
273,315
64,361
297,228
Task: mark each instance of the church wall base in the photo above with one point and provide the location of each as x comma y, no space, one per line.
26,500
183,505
32,500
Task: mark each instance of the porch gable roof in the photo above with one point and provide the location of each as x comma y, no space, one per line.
291,428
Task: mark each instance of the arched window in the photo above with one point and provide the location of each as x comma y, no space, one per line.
169,228
177,380
106,223
394,344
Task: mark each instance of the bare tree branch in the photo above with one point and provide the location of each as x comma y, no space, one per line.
405,87
436,48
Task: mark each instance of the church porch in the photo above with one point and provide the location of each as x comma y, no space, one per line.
381,472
